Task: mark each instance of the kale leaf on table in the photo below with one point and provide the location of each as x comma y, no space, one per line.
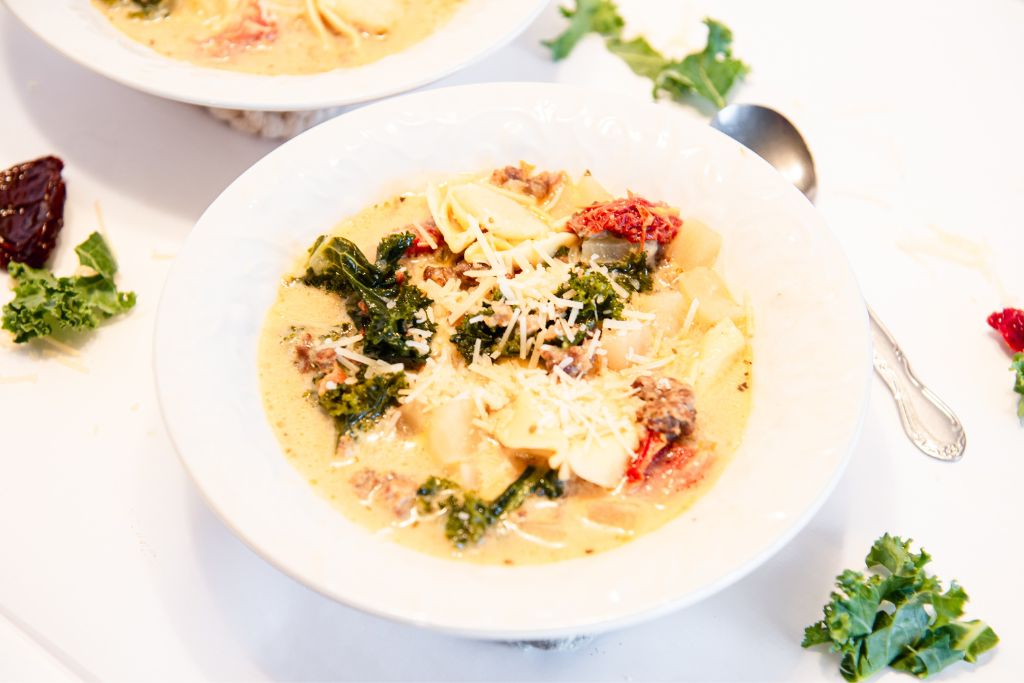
897,615
710,73
1018,384
44,303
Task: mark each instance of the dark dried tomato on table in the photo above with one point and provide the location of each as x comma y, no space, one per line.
32,198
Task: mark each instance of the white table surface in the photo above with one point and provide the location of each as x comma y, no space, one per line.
113,569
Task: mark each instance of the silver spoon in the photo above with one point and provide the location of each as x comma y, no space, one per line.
926,419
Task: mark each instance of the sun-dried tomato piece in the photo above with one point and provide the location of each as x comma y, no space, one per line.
1010,324
632,218
421,246
254,26
31,211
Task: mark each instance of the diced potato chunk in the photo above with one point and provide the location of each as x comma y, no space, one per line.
722,346
716,303
621,344
695,246
669,306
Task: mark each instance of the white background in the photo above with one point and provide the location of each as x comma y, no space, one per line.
112,568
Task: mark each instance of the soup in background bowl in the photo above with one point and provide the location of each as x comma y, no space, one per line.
277,36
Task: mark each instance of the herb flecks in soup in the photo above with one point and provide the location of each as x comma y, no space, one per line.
278,36
510,367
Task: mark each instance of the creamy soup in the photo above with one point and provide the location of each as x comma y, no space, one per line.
569,371
278,36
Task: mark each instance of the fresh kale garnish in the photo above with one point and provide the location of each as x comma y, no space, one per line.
710,73
468,516
1018,385
377,296
357,407
880,619
44,303
590,16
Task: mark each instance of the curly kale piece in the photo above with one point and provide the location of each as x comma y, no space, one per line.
469,330
710,73
1018,384
589,287
379,300
44,303
386,322
633,272
880,619
468,516
597,295
357,407
589,16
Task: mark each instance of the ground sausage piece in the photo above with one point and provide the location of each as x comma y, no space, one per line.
539,186
390,489
463,267
668,407
579,364
439,274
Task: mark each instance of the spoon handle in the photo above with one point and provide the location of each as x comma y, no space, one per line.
927,420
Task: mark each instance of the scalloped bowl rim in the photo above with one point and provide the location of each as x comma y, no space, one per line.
807,409
81,33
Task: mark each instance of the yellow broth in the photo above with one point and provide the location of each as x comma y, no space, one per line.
588,520
290,44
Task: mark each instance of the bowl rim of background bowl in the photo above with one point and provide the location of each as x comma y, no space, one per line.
81,33
546,101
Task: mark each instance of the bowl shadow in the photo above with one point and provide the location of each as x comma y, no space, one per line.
167,155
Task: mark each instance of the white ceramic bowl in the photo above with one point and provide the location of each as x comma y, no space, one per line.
81,32
811,353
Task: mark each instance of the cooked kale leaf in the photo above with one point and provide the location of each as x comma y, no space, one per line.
710,73
377,296
468,516
589,287
596,293
472,328
44,303
898,616
146,8
633,272
357,407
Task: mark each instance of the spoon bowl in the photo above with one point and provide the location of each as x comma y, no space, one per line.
929,423
774,138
